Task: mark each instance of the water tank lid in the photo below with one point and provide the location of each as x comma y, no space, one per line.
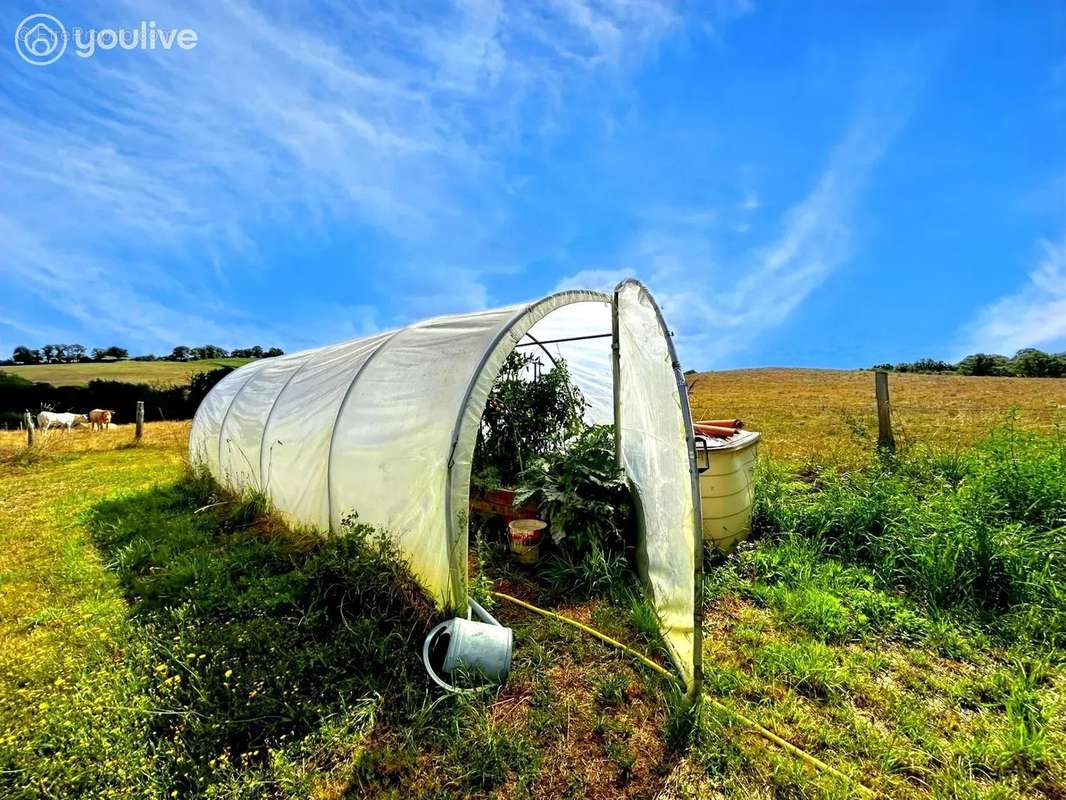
739,441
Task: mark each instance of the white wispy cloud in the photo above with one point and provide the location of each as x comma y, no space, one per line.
720,304
25,328
1032,316
377,117
723,12
600,280
143,303
606,29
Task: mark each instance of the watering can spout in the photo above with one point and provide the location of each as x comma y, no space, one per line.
480,612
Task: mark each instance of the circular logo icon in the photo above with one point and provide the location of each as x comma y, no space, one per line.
40,39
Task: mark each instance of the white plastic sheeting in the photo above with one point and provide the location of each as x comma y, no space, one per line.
588,360
654,435
385,427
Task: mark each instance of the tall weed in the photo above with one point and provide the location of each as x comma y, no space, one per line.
981,530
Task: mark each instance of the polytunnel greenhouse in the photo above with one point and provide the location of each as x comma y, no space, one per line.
385,427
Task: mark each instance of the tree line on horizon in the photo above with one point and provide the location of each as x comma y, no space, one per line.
19,394
78,354
1026,363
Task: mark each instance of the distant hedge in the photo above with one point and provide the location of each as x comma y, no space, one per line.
1027,363
18,395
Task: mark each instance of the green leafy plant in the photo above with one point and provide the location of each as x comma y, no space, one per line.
582,493
530,413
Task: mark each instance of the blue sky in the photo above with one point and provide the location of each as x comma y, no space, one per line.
806,184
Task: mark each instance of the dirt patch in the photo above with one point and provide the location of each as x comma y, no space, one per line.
597,749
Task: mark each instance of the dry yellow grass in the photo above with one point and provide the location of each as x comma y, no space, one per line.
74,694
804,415
150,372
829,416
169,436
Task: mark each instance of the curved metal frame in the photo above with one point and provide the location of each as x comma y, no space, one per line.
522,321
340,410
222,425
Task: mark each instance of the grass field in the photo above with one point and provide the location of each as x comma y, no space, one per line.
830,415
898,621
150,372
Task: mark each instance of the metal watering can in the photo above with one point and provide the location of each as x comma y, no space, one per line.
480,647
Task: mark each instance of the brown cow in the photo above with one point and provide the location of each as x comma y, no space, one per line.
100,417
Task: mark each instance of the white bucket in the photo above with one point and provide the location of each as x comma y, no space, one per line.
526,536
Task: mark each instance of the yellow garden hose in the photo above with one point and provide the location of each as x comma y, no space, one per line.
769,735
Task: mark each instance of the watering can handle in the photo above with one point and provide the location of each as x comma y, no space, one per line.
429,667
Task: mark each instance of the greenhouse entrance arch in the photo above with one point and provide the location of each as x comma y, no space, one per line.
385,426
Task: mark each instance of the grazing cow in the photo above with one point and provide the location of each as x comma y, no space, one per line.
100,418
65,420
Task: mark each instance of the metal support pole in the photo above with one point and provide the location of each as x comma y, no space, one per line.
616,381
537,343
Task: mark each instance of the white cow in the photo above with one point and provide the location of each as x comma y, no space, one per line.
65,420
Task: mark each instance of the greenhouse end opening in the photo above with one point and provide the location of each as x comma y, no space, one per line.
386,427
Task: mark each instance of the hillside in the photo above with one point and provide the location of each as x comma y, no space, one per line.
901,621
830,415
150,372
157,639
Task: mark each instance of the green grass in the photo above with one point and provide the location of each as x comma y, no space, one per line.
902,621
171,373
981,533
160,639
235,641
884,704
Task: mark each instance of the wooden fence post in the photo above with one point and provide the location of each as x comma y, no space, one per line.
27,418
140,419
885,439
